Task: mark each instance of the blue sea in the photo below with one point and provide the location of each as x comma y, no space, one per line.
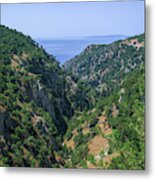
67,48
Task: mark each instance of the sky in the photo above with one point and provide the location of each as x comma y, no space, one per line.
57,20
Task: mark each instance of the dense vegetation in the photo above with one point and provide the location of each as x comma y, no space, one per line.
33,104
90,114
100,69
123,129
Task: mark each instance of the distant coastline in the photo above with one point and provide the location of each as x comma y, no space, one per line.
66,48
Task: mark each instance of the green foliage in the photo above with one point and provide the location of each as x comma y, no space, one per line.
38,98
29,128
91,159
130,124
100,69
78,155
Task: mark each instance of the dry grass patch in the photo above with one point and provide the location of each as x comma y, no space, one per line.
98,144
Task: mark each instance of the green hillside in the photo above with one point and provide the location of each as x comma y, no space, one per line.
100,69
33,103
89,114
111,135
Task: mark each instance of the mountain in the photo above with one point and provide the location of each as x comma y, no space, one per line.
101,68
88,114
111,134
108,132
33,103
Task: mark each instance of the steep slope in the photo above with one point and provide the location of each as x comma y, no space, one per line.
111,135
101,68
41,77
33,103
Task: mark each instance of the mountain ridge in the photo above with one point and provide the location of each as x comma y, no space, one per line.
101,68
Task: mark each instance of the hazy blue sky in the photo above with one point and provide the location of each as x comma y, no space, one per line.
48,20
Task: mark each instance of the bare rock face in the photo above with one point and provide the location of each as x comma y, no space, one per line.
42,99
52,99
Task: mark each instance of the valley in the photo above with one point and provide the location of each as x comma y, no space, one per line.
87,114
